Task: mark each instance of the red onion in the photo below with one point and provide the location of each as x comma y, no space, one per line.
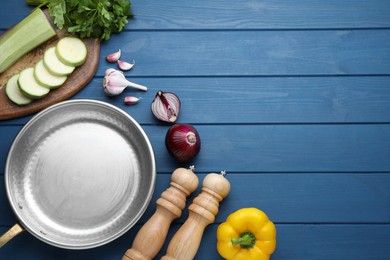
183,142
166,106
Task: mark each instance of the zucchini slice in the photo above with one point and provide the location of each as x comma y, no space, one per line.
13,92
45,78
71,51
29,86
54,65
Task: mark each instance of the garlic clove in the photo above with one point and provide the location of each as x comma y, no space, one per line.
130,100
123,65
113,57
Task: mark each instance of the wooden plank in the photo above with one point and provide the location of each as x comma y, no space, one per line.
285,148
286,198
333,242
274,148
263,100
7,135
252,53
294,242
277,14
248,53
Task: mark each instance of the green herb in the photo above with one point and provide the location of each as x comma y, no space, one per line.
88,18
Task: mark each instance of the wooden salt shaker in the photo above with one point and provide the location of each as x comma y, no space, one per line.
202,212
151,236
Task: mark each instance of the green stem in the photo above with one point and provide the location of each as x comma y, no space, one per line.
246,240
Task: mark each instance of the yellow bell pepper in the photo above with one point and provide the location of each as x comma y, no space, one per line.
247,234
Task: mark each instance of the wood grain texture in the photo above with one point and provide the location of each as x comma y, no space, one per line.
252,53
276,148
257,100
277,14
262,100
219,14
296,242
303,198
292,148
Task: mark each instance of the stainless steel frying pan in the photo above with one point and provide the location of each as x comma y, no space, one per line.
79,174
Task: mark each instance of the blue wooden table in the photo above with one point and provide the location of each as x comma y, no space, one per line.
291,98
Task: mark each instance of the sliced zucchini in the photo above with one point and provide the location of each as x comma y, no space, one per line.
29,33
45,78
29,86
13,92
71,51
54,65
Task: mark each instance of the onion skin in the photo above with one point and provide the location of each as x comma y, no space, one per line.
183,142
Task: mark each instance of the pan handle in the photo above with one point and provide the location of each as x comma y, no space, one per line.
7,236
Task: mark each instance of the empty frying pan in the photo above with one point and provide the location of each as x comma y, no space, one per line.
79,174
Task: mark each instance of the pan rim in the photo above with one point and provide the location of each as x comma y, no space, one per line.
87,245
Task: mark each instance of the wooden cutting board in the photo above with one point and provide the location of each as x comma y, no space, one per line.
75,82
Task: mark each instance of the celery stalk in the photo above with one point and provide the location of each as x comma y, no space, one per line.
29,33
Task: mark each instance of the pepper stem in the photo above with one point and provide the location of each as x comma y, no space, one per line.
246,240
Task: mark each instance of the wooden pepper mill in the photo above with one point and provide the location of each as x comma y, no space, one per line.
151,236
202,212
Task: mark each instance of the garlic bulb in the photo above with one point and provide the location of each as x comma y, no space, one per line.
115,82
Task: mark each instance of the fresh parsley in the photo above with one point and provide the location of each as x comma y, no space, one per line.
88,18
